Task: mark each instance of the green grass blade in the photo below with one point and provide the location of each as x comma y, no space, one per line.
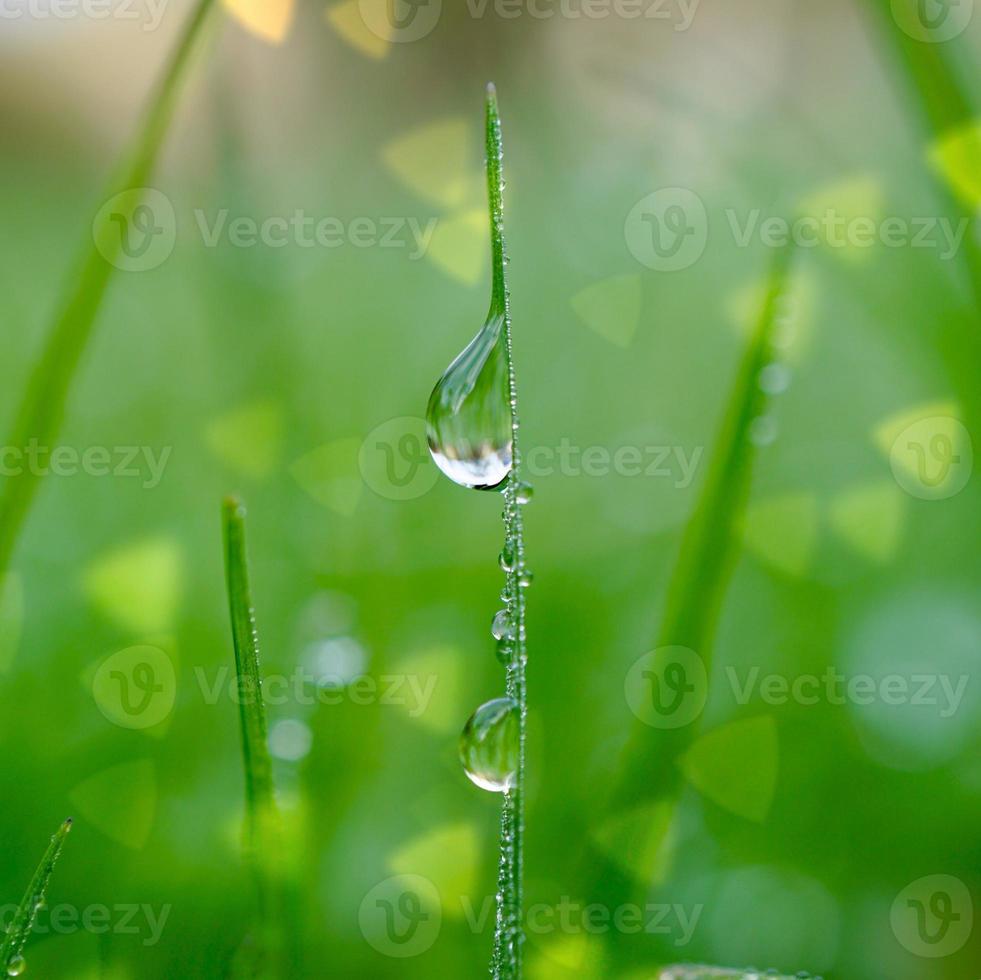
508,950
648,773
263,831
19,931
718,973
42,409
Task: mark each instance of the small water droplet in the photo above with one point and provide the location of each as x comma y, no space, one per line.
526,577
468,421
505,649
763,430
774,379
502,628
523,493
489,745
16,965
507,558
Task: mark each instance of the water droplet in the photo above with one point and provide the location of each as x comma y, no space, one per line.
16,965
507,558
774,379
489,745
502,628
523,493
526,577
468,421
763,430
505,650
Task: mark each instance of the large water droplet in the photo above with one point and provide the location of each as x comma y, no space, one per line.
523,493
502,628
489,745
16,965
468,421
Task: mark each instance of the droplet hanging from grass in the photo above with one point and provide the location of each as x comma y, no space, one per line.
489,745
468,421
16,966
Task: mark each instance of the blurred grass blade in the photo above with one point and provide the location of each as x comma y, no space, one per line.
945,105
12,951
649,773
263,831
42,409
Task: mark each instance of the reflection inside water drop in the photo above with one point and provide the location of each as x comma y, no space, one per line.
489,745
468,421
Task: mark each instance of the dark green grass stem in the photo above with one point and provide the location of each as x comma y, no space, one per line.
42,410
20,929
263,830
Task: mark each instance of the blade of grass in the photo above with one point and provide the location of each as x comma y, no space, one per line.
648,773
12,950
263,830
719,973
42,409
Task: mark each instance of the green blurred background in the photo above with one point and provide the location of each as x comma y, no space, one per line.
268,370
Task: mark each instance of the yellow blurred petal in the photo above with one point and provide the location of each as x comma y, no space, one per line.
889,429
870,518
783,531
611,308
449,857
139,585
345,18
575,957
330,475
860,197
437,162
267,19
956,156
120,801
247,439
736,766
461,246
433,693
639,841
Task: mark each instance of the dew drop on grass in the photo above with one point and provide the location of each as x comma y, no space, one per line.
489,745
16,966
507,558
525,577
468,421
523,493
502,627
